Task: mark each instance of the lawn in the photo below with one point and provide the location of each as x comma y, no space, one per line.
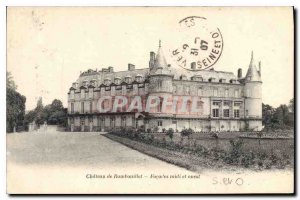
255,153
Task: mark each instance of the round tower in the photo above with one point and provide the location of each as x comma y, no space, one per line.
253,97
160,78
160,88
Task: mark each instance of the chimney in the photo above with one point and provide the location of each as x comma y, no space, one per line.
240,73
110,69
131,67
259,68
193,65
152,60
152,55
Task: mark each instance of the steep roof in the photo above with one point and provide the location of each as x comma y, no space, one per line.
252,73
160,64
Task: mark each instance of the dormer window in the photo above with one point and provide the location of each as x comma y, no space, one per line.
139,78
222,80
197,78
182,77
85,83
211,79
93,82
117,80
232,81
128,79
106,81
75,85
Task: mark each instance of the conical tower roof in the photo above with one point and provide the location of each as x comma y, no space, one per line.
160,64
160,61
252,73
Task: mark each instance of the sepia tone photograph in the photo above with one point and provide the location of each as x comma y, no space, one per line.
150,100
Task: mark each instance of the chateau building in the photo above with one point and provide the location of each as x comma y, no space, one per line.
224,102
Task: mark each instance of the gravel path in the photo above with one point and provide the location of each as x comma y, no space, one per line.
60,162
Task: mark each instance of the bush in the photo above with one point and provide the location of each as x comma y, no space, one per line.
155,129
170,133
235,152
187,132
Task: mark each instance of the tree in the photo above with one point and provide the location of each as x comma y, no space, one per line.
267,114
281,115
53,113
56,105
10,84
291,105
15,109
15,105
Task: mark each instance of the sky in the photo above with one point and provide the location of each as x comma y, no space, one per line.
47,47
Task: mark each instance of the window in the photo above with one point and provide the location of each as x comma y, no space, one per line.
247,93
112,122
215,112
226,103
99,121
82,94
236,93
133,120
216,103
199,91
226,93
199,104
187,90
82,107
237,104
159,123
188,106
91,93
226,112
159,84
159,106
91,107
174,89
72,94
236,113
215,92
82,121
123,90
247,113
123,122
72,108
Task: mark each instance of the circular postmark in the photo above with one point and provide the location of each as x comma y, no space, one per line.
200,44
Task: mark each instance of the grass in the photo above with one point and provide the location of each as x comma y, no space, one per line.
211,152
186,160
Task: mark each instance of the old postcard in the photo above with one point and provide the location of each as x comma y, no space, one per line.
150,100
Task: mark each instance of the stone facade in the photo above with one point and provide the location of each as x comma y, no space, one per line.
226,102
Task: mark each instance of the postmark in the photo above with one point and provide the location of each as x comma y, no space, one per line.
200,46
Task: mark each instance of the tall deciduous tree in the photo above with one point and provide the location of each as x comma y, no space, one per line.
15,105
